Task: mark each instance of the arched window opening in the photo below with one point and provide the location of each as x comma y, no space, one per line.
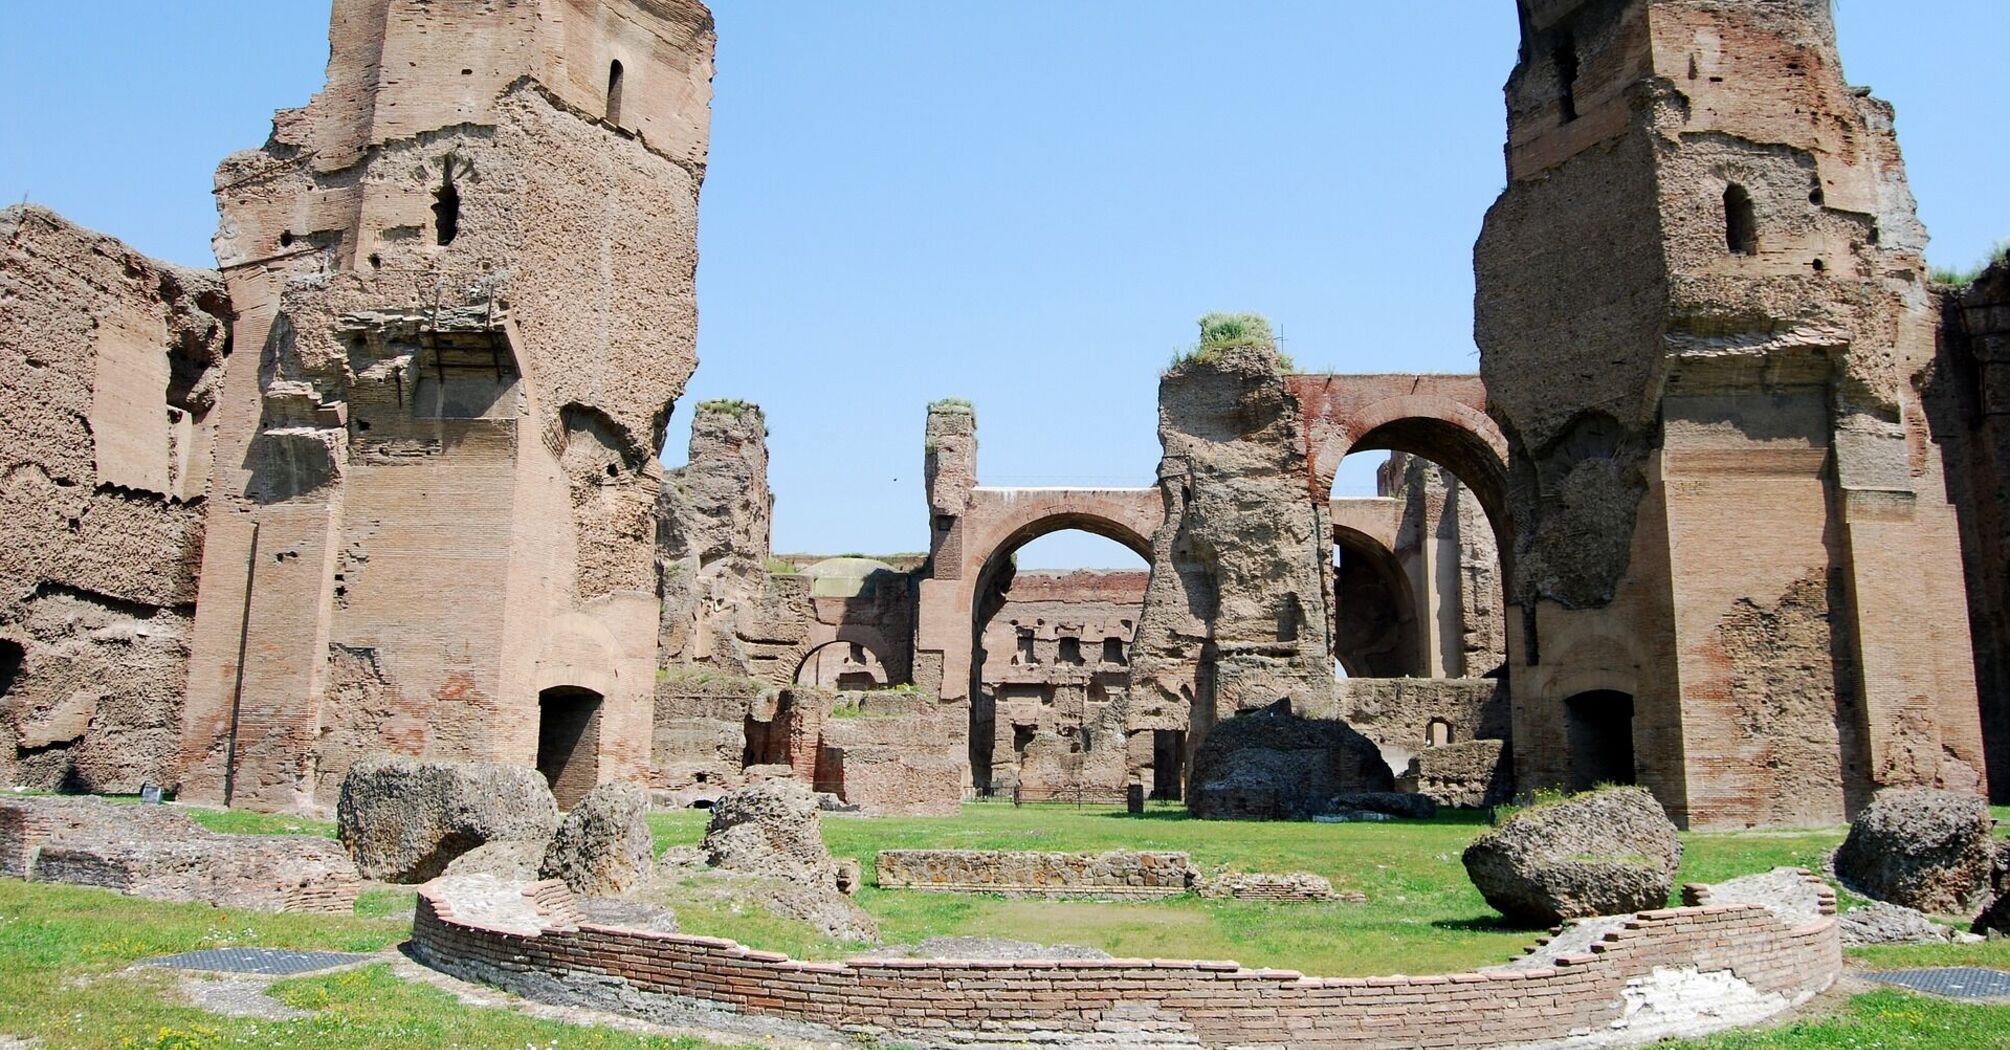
614,92
447,208
568,742
1741,225
1565,59
1598,729
842,665
1438,733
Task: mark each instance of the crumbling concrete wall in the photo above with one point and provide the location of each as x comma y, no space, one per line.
468,264
714,522
1703,323
1970,405
1238,612
110,365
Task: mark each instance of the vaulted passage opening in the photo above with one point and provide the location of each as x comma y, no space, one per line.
1598,728
568,741
614,92
1741,225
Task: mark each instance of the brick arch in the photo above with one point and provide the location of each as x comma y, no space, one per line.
1441,418
869,638
1126,516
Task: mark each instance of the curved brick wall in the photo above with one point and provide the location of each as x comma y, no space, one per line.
1677,971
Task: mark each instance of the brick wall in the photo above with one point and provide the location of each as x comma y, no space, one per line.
930,1002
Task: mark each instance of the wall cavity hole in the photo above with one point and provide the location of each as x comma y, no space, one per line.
1819,265
376,261
613,471
467,72
286,239
1815,196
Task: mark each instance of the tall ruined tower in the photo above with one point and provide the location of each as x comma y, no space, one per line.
1703,323
465,272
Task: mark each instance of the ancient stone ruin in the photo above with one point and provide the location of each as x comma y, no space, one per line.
388,479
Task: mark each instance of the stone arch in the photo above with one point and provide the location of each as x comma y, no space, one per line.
1378,643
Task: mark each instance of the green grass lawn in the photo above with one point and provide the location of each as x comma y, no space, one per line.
1422,916
65,981
65,952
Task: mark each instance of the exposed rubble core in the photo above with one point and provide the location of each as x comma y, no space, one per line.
1236,616
110,368
1704,324
472,285
714,523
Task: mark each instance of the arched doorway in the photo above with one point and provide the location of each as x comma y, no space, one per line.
568,741
1056,607
1598,729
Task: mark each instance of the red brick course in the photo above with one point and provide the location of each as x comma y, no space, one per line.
1223,1002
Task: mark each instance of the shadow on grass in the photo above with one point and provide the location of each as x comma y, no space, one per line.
1485,924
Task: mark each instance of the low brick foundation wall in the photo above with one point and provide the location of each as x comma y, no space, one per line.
160,854
1119,873
1672,972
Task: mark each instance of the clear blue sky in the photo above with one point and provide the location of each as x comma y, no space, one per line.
1022,202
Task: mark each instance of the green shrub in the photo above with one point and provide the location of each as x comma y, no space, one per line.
1221,332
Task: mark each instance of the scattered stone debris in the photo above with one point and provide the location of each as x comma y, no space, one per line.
1882,922
160,854
405,820
1603,852
1921,848
767,838
1292,887
515,861
603,847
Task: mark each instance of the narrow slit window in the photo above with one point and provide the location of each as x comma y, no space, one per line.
447,208
1565,58
614,92
1741,226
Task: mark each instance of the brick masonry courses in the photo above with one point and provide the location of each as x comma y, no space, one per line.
1607,995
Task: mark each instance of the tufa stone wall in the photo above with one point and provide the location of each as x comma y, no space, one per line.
468,267
111,364
1704,323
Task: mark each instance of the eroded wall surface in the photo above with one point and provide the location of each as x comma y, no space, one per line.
467,267
1704,322
110,366
1238,613
1971,406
